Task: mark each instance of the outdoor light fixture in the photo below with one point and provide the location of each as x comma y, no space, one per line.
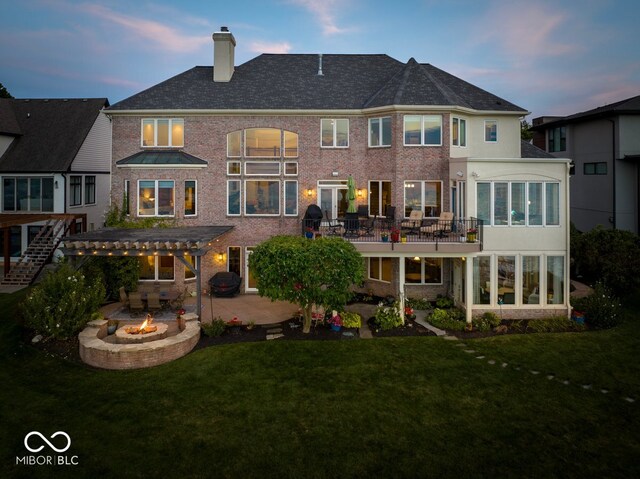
360,192
220,256
309,192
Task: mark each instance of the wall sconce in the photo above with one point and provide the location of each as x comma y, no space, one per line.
309,192
55,184
475,175
220,256
460,174
360,192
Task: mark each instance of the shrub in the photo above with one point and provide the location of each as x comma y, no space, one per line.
63,303
486,322
114,272
452,319
601,308
215,328
444,302
610,256
418,303
388,317
555,324
351,320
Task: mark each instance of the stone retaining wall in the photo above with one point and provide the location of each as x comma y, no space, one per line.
96,352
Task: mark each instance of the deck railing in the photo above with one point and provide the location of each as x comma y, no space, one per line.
469,230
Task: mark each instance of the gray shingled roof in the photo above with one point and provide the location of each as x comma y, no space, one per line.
8,122
630,106
291,82
51,133
529,150
161,157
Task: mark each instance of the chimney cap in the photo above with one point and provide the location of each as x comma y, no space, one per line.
224,29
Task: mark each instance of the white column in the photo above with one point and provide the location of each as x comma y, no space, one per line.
468,277
401,286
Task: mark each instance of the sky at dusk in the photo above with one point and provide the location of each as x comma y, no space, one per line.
553,57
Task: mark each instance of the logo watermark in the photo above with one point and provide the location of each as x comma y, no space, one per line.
35,442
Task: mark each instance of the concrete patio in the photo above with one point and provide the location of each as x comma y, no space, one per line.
247,307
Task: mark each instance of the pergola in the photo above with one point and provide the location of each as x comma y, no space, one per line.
194,241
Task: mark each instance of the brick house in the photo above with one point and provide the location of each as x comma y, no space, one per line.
252,146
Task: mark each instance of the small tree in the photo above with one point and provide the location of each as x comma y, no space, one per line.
307,272
4,93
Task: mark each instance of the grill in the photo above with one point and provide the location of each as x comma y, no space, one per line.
225,283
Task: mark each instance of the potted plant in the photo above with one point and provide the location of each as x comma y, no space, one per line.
385,236
308,232
180,320
250,325
335,321
409,313
395,235
234,325
403,237
471,235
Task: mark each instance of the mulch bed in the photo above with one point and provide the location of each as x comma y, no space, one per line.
512,327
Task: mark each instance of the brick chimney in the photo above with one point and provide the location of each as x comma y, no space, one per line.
223,55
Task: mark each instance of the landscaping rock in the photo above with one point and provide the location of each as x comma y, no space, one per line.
37,338
274,336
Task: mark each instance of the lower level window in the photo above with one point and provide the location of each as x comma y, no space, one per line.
423,270
555,279
380,269
233,260
156,268
482,280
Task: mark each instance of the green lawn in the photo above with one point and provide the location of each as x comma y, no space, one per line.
402,407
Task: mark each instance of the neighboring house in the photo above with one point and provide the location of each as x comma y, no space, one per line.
55,160
604,143
252,146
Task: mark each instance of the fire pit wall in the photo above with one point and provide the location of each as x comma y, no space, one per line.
101,354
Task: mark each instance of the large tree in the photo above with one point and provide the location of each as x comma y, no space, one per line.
307,272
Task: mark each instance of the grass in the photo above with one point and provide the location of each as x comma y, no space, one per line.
392,407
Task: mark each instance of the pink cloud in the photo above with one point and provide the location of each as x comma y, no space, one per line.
163,36
266,47
323,11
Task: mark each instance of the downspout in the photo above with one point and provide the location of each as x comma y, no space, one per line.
613,159
567,209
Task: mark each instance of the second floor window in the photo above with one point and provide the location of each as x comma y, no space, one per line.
558,139
425,196
458,132
156,198
334,133
518,203
423,130
262,143
491,131
89,190
27,194
167,132
190,198
75,190
380,131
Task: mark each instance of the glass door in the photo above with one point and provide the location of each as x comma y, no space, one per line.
250,283
334,200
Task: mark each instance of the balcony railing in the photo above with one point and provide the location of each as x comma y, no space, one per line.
370,230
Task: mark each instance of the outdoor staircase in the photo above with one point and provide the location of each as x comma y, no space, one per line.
33,259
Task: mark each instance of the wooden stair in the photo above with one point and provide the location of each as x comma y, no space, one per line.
33,259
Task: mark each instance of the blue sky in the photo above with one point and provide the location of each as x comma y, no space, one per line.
551,57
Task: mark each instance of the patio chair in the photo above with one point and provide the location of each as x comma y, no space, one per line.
335,227
442,226
351,225
135,303
390,216
413,223
363,211
123,297
153,302
368,225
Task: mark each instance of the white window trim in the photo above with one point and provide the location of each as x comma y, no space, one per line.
241,146
335,133
379,132
284,197
422,140
379,270
155,215
195,187
543,213
422,204
76,205
246,173
234,174
244,208
155,133
422,268
380,193
156,267
244,139
484,132
460,119
284,168
239,197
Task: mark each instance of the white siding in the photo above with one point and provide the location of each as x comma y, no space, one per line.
95,152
